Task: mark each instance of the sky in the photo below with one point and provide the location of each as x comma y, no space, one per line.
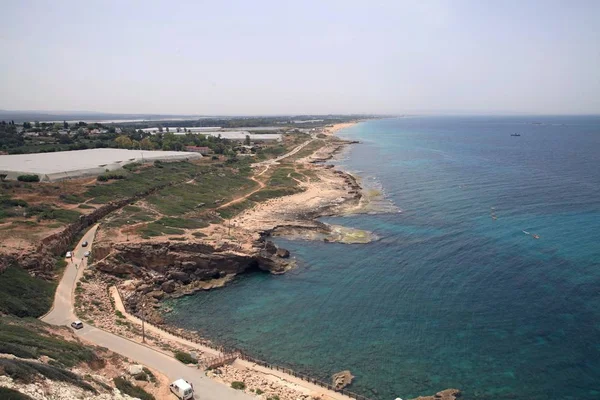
301,57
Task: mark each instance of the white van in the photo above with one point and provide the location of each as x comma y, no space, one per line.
182,389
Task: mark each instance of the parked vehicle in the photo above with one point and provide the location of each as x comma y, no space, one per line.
68,255
182,389
86,254
84,244
77,324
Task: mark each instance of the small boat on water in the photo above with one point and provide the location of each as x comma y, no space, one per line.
515,134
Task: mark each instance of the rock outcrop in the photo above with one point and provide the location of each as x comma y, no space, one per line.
448,394
342,379
157,270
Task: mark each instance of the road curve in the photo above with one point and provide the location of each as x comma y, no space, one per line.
62,313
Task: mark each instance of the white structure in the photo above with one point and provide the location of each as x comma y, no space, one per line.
78,163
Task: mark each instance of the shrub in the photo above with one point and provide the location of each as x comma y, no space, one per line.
132,390
10,394
28,178
275,397
259,391
25,371
119,314
142,376
23,295
149,374
185,358
107,177
238,385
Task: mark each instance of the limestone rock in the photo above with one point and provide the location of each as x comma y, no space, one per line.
342,379
282,253
448,394
168,286
180,276
157,294
135,369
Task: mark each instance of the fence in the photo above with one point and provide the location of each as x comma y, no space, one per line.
228,351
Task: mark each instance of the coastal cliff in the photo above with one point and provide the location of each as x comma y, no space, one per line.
157,270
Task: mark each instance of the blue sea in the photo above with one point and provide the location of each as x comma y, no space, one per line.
448,296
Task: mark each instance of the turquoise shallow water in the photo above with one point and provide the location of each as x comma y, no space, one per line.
448,297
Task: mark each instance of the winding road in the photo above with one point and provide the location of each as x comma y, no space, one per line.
62,313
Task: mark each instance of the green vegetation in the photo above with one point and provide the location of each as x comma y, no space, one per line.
212,186
85,207
281,177
130,215
10,207
46,212
238,385
27,338
71,198
236,208
23,295
110,177
10,394
259,391
143,180
157,229
28,178
185,358
119,314
132,390
145,375
274,397
26,372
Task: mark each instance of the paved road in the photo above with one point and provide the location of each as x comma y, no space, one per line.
63,313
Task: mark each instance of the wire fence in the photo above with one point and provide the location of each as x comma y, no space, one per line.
227,351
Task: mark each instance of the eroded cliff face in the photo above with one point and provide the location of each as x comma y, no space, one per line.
186,261
155,270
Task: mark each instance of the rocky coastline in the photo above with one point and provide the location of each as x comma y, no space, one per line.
156,271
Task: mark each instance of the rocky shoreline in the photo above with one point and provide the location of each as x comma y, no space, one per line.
156,271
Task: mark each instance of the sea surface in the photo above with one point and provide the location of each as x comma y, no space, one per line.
448,296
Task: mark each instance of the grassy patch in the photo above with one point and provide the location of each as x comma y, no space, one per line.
23,295
26,372
71,198
213,187
238,385
157,229
280,178
132,390
10,394
47,212
185,358
85,207
234,209
27,338
141,181
266,194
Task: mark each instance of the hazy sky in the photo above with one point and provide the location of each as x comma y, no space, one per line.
275,57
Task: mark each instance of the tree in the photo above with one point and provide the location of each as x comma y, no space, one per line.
160,128
3,177
167,129
37,124
26,125
147,144
247,141
65,125
124,142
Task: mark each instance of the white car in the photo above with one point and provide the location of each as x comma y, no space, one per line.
69,255
182,389
77,324
86,254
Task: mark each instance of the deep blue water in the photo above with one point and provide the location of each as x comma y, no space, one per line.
448,297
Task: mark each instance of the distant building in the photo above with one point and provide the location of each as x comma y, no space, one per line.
198,149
